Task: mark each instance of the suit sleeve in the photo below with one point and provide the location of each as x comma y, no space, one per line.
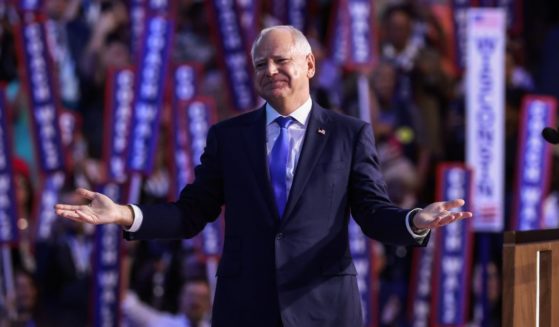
371,208
198,203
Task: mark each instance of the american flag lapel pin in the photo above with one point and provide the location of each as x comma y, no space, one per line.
321,131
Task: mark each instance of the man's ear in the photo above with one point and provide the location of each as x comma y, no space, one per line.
311,65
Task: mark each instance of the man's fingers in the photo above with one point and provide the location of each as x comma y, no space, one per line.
84,216
453,204
466,214
461,215
454,217
435,223
86,193
75,215
71,216
447,220
67,213
443,214
69,207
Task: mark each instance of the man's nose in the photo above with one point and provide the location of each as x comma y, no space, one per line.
271,69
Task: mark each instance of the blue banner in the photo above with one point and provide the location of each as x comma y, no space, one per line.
163,7
249,13
291,12
118,112
185,89
454,247
361,34
339,33
234,54
485,115
138,15
46,199
8,202
38,77
360,248
187,77
420,286
460,22
29,5
297,12
106,265
148,97
352,35
196,117
533,169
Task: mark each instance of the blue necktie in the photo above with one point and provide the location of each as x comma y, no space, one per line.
278,163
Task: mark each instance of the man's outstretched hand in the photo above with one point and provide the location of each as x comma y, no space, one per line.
439,214
100,210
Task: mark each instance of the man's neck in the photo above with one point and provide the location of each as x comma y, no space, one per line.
287,106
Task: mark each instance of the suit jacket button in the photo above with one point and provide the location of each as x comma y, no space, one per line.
279,236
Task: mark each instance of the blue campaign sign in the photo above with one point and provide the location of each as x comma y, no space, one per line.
454,249
233,52
106,265
533,168
39,79
149,86
8,204
118,113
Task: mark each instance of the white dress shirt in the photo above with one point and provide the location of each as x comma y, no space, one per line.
296,135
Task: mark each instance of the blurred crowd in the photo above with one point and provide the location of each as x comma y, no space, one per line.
416,109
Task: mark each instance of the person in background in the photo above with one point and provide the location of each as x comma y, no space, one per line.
403,36
493,293
22,255
193,303
26,300
64,269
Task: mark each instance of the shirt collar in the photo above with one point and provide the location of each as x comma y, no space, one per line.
301,114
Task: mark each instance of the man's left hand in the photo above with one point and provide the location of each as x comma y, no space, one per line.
439,214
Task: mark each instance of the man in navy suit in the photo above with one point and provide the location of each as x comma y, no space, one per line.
286,259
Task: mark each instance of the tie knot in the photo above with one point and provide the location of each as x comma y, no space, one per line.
284,122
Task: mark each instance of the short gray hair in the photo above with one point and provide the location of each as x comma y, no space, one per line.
300,42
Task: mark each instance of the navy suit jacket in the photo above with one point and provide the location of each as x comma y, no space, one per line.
298,267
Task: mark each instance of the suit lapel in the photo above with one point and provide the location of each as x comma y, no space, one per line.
316,138
254,137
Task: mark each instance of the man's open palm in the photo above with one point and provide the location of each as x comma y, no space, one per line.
439,214
100,210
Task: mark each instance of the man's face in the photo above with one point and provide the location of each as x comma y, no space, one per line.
399,30
384,81
195,300
55,8
281,71
26,293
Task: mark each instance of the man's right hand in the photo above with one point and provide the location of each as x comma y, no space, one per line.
100,210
